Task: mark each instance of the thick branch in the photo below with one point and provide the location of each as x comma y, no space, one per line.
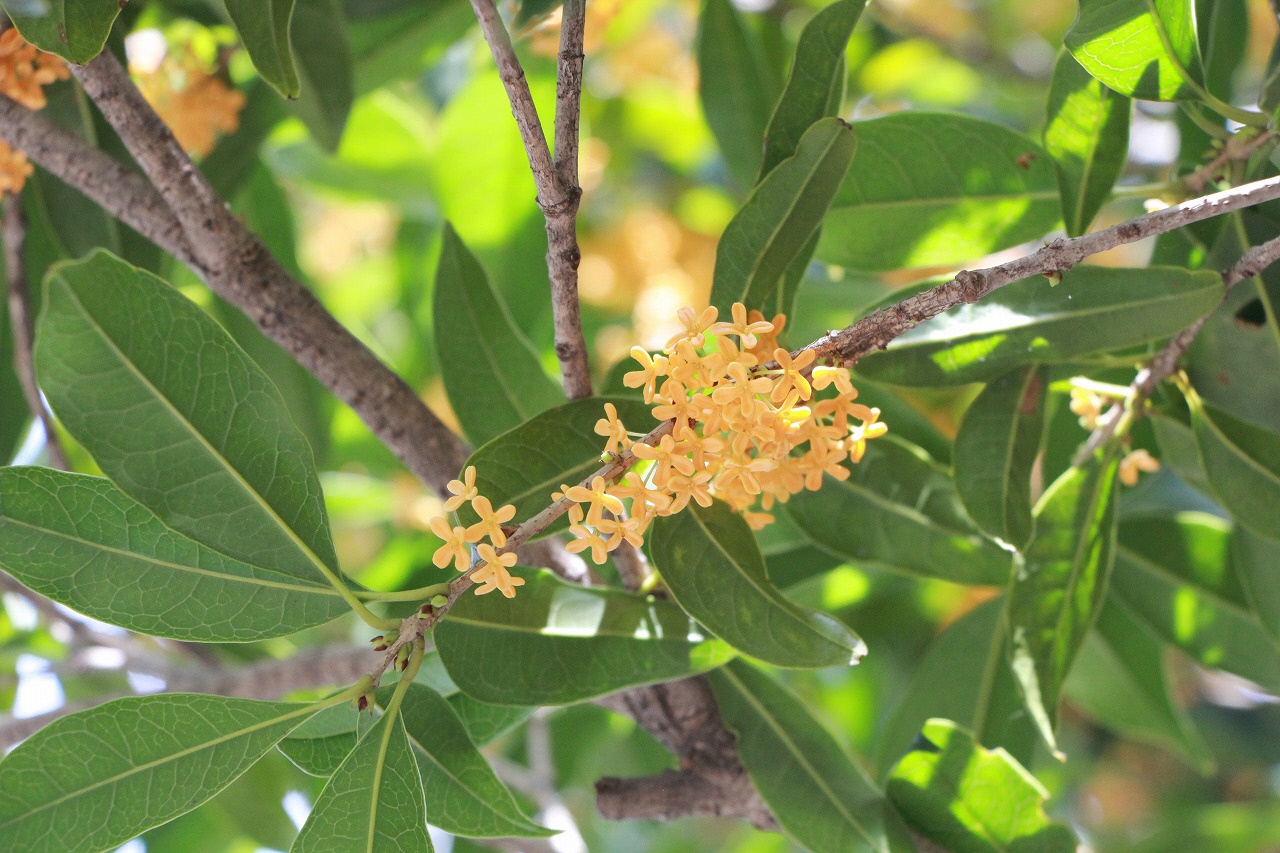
684,793
879,328
322,666
239,268
14,238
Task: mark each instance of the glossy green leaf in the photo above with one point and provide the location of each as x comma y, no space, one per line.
326,73
76,30
263,26
129,765
486,722
323,742
179,417
1253,559
965,676
1119,680
14,413
1086,133
781,216
996,449
1059,589
821,797
556,643
374,800
928,189
464,796
898,510
1141,48
1181,614
84,543
1194,548
558,447
491,372
971,799
735,87
1178,450
1223,29
1092,310
1242,462
815,82
709,561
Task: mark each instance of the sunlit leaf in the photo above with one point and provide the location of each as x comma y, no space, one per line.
912,200
971,799
1141,48
1094,309
736,88
1059,588
1087,134
263,26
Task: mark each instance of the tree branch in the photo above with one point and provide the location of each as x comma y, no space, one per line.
14,237
556,180
320,666
876,330
684,793
1165,363
239,268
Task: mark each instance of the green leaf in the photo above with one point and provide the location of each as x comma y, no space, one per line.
1141,48
1086,133
1178,612
76,30
1193,547
780,217
996,448
1242,462
128,765
85,544
965,676
14,413
556,643
821,798
1119,680
709,561
263,26
1253,559
464,795
735,87
558,447
179,417
1059,589
815,82
1178,451
324,741
374,800
486,722
971,799
1094,309
929,189
326,73
491,372
898,510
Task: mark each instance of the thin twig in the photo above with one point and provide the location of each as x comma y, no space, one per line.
14,230
239,268
556,179
876,330
1238,148
1164,363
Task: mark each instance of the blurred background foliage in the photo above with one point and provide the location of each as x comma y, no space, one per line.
430,137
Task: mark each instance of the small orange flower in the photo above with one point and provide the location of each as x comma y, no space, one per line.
493,572
613,429
791,376
462,490
491,521
597,497
456,546
1132,463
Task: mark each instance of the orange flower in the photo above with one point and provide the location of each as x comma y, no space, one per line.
456,546
491,521
493,572
462,490
611,428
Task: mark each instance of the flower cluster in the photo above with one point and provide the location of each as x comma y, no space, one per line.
24,72
748,429
458,540
195,104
